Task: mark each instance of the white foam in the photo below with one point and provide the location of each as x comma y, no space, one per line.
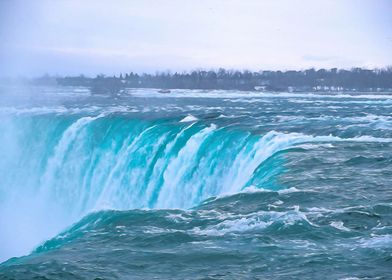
242,96
253,222
339,225
377,241
189,118
289,190
299,138
62,110
315,146
254,189
233,226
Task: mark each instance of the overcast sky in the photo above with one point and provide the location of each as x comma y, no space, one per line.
90,37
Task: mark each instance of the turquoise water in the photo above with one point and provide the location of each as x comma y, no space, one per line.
194,185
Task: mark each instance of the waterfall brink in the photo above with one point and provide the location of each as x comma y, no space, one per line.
75,165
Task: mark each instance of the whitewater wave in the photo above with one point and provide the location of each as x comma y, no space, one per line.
62,110
189,118
176,93
254,222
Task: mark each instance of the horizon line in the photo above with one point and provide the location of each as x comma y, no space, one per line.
172,71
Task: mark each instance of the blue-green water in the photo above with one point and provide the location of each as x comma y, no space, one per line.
194,185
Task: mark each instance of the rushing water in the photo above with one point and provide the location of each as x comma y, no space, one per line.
194,185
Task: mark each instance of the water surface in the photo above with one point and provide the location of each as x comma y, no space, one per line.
195,185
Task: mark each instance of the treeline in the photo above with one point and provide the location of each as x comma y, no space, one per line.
356,79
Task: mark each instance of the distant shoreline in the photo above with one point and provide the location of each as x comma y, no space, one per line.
310,80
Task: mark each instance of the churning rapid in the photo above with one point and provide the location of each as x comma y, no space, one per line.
194,184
